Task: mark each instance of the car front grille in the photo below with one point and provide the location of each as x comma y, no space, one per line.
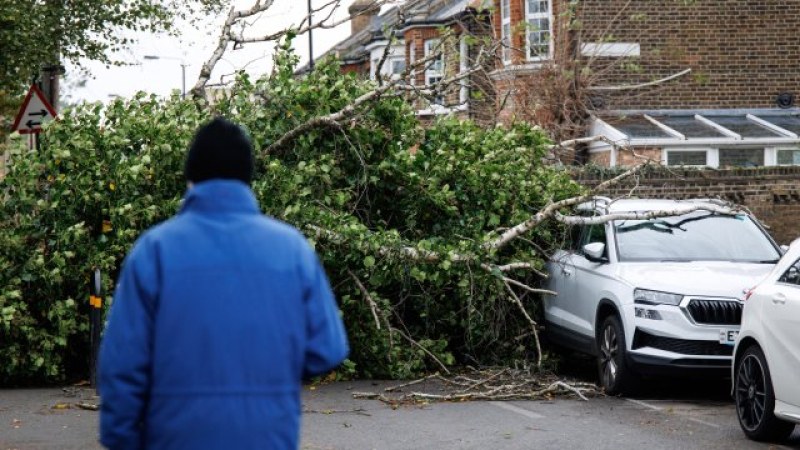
682,346
715,312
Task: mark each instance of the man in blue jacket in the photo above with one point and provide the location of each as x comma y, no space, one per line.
218,315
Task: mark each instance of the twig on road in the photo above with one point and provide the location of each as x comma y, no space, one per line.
493,385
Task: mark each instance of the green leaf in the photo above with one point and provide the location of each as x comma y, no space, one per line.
369,261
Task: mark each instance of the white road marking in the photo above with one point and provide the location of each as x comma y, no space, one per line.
643,404
703,422
517,409
659,408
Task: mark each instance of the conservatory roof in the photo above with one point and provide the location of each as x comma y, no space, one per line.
685,128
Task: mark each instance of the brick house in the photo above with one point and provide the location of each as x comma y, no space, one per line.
417,29
691,83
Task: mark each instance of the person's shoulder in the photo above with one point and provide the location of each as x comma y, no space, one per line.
281,230
159,231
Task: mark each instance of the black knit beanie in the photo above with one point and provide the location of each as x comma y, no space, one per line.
220,149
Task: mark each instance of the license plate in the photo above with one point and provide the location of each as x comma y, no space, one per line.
728,337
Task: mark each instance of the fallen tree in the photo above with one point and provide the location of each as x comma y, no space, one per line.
434,237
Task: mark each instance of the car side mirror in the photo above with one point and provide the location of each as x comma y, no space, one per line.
784,249
594,252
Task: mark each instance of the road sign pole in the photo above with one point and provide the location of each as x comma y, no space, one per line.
95,323
51,83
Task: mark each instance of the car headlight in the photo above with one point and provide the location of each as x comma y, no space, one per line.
646,297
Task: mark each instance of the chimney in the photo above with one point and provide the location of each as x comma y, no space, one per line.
362,12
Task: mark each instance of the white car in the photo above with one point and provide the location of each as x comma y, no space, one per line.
766,370
655,296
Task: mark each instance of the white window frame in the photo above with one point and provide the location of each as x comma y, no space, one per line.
771,155
412,59
530,16
766,150
506,33
393,61
431,71
712,155
463,66
434,75
373,68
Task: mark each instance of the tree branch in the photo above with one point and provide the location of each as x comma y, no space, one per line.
628,87
372,305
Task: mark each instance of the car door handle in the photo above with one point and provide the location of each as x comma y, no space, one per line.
779,299
566,272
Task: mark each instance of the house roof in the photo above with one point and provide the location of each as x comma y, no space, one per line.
416,12
686,128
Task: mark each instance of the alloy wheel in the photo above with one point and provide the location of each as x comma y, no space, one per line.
751,396
609,348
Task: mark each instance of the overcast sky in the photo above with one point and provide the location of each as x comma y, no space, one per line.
195,46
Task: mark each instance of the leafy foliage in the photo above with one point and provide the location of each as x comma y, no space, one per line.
361,193
44,32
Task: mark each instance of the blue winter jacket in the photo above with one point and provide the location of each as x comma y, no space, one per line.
218,315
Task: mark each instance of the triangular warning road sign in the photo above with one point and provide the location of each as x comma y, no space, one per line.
35,111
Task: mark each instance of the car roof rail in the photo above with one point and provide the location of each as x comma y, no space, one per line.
600,198
594,203
713,201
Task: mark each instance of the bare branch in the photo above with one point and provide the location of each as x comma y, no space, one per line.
353,108
372,305
522,266
425,350
628,87
552,208
534,326
645,215
325,23
198,91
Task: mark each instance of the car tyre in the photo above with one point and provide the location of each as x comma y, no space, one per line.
615,375
755,399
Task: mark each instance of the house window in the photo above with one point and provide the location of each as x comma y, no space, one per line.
741,157
412,58
687,158
434,70
788,156
373,69
505,29
538,15
398,66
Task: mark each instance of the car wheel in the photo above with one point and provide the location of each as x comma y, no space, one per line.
615,375
755,399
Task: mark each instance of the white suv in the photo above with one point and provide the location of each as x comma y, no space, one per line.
766,372
655,296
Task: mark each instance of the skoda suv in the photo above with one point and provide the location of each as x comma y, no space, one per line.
657,296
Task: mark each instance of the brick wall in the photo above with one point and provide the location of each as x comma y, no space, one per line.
360,69
772,194
742,53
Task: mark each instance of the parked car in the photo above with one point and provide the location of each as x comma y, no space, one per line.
766,370
655,296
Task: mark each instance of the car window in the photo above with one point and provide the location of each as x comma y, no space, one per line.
574,236
595,233
699,236
792,276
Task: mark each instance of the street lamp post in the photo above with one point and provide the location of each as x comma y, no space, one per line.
310,39
183,69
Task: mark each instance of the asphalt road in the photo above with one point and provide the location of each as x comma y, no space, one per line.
674,415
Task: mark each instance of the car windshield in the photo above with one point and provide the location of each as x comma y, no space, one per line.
699,236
